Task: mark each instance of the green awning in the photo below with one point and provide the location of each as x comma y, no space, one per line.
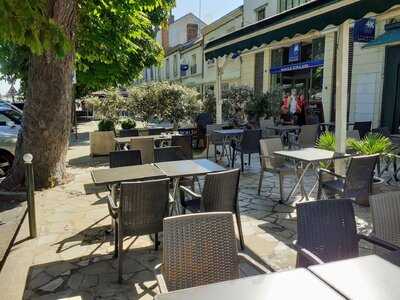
391,36
334,17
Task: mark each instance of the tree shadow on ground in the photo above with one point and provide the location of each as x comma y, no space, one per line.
85,162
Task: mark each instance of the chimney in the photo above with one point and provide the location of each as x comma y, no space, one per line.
164,37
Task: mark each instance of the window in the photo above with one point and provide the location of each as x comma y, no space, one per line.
175,65
193,66
260,13
288,4
167,68
192,31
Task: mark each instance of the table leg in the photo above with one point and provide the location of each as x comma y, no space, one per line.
175,193
299,181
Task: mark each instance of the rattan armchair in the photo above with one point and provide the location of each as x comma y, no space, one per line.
146,147
125,158
220,193
171,153
128,132
306,138
356,184
139,211
214,138
327,231
385,210
184,141
273,164
199,249
363,128
249,144
268,133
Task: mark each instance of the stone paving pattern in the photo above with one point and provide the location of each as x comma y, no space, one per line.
72,257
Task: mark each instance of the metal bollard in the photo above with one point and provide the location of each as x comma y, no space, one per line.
30,193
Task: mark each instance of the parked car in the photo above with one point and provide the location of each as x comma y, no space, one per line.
10,124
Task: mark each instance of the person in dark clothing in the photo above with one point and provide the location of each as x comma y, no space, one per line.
202,120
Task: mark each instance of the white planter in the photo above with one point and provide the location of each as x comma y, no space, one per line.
101,142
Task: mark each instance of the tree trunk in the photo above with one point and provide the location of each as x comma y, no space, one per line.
47,111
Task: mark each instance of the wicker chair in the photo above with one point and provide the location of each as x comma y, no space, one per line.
140,210
156,131
184,141
327,231
307,137
128,132
384,131
199,249
125,158
267,133
385,210
353,134
146,147
273,164
214,138
220,193
363,128
356,184
171,153
249,144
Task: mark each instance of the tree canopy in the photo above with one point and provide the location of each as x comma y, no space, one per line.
114,40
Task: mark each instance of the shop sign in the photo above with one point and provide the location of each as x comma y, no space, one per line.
184,67
295,53
364,30
298,66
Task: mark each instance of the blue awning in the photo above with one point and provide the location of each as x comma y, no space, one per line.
391,36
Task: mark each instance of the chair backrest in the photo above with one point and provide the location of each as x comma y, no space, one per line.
327,229
125,158
146,147
353,134
128,132
264,123
220,192
363,127
308,135
143,205
172,153
385,210
202,120
384,131
250,142
156,131
199,249
184,141
267,148
213,137
359,178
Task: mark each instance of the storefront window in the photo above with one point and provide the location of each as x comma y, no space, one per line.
318,48
288,4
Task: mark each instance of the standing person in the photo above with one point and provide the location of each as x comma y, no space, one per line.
292,106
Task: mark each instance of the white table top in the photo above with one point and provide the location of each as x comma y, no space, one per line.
296,284
311,154
368,277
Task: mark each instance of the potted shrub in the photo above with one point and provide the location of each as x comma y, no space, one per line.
102,141
126,126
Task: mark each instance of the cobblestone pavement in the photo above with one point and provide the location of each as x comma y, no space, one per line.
72,257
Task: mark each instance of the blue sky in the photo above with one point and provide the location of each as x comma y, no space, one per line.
211,10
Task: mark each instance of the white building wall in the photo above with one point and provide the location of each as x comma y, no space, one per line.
250,6
328,84
247,71
178,30
225,29
196,79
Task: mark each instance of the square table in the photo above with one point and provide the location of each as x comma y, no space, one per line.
296,284
186,168
227,136
368,277
304,159
130,173
121,141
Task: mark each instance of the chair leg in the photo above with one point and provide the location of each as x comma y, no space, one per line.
156,242
241,160
260,182
233,158
208,148
115,239
120,254
280,178
319,191
239,225
215,152
249,159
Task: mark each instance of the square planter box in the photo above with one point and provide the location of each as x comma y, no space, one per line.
101,142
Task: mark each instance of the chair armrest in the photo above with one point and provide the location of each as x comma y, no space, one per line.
112,207
379,242
171,199
247,259
190,192
311,257
332,173
160,279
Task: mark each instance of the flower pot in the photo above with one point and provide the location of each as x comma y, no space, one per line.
101,142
